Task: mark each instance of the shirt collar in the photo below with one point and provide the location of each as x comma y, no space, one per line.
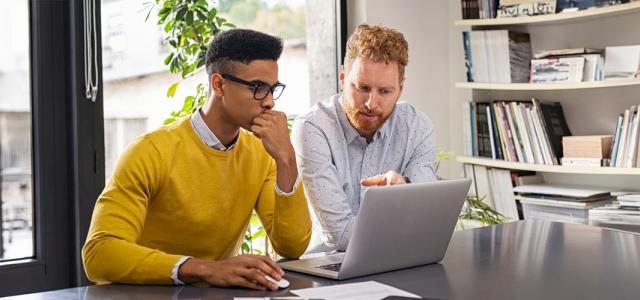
206,135
350,132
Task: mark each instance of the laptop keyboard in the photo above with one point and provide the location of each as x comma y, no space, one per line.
331,267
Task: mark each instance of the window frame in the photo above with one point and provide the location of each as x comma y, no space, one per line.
66,131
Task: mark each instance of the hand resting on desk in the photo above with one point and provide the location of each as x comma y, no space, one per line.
244,271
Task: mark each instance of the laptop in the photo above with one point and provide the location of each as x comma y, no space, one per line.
398,227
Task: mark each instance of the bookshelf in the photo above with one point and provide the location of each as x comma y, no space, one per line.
545,87
559,18
549,32
589,108
492,163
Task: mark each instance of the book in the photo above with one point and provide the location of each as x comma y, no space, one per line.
480,70
525,8
499,152
574,5
593,68
498,56
616,140
560,202
555,125
565,52
515,139
466,126
623,139
557,70
583,162
569,191
621,62
468,59
632,146
483,135
503,197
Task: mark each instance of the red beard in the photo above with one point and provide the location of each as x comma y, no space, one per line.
365,122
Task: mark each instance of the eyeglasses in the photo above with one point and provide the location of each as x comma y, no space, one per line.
260,89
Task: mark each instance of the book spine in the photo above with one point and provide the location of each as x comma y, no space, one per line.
623,139
494,153
468,59
616,141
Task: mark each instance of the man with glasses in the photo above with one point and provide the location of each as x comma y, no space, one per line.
363,136
177,206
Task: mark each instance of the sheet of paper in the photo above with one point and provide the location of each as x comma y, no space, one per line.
368,290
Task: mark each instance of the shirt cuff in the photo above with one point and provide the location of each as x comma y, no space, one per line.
295,187
176,267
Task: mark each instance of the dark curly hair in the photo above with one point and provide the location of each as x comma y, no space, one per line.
240,46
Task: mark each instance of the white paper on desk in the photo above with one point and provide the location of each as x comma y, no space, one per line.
368,290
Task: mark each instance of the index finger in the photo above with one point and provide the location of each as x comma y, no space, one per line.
272,264
266,266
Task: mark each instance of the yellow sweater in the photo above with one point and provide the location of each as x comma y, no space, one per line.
171,195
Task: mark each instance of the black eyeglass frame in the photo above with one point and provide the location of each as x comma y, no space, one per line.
256,85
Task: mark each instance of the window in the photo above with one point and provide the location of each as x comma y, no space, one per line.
136,79
16,215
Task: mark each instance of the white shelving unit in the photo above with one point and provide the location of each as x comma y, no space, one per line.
545,86
559,18
602,15
493,163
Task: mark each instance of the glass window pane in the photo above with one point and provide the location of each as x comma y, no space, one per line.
136,79
16,182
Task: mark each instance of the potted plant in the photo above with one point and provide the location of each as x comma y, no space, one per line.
475,213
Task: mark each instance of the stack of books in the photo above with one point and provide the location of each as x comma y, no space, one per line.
516,131
560,203
563,196
495,187
622,214
479,9
624,149
567,65
501,56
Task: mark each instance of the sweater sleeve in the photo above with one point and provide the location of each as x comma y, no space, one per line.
111,253
285,218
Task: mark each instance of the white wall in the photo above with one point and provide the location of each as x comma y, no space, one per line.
425,25
436,62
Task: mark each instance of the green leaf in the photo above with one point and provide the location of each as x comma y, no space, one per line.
181,12
188,103
260,234
168,121
168,59
172,89
254,221
212,13
190,18
245,248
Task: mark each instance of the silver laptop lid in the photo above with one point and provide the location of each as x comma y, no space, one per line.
403,226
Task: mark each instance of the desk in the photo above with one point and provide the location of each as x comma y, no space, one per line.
523,260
